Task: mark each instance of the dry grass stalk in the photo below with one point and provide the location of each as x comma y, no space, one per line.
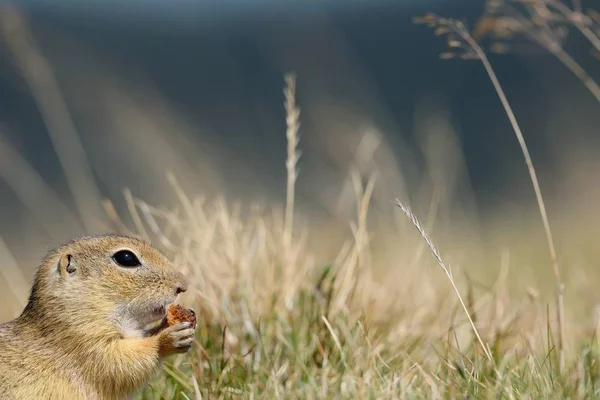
293,155
116,222
447,271
139,226
356,260
584,23
459,37
545,23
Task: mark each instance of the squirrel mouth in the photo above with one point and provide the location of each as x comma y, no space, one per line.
154,313
158,313
154,317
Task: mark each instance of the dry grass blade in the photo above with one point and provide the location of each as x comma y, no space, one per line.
446,270
336,340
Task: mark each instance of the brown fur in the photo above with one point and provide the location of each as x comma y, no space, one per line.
81,334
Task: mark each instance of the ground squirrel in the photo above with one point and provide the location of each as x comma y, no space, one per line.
83,333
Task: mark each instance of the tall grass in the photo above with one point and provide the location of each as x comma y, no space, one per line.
332,331
335,332
460,37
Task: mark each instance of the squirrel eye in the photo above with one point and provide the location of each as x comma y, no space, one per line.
126,258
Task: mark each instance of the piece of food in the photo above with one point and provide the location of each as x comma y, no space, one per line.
177,314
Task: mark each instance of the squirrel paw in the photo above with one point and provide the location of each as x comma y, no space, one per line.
176,339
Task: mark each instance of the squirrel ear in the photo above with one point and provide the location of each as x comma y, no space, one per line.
66,266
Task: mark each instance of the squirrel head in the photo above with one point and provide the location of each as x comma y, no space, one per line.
120,283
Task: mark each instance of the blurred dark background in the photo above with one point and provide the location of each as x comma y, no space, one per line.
203,82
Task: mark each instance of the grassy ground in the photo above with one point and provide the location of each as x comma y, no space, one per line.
386,317
273,323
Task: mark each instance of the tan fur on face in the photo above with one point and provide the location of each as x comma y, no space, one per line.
80,335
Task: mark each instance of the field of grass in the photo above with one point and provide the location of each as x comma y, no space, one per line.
386,318
389,304
274,324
